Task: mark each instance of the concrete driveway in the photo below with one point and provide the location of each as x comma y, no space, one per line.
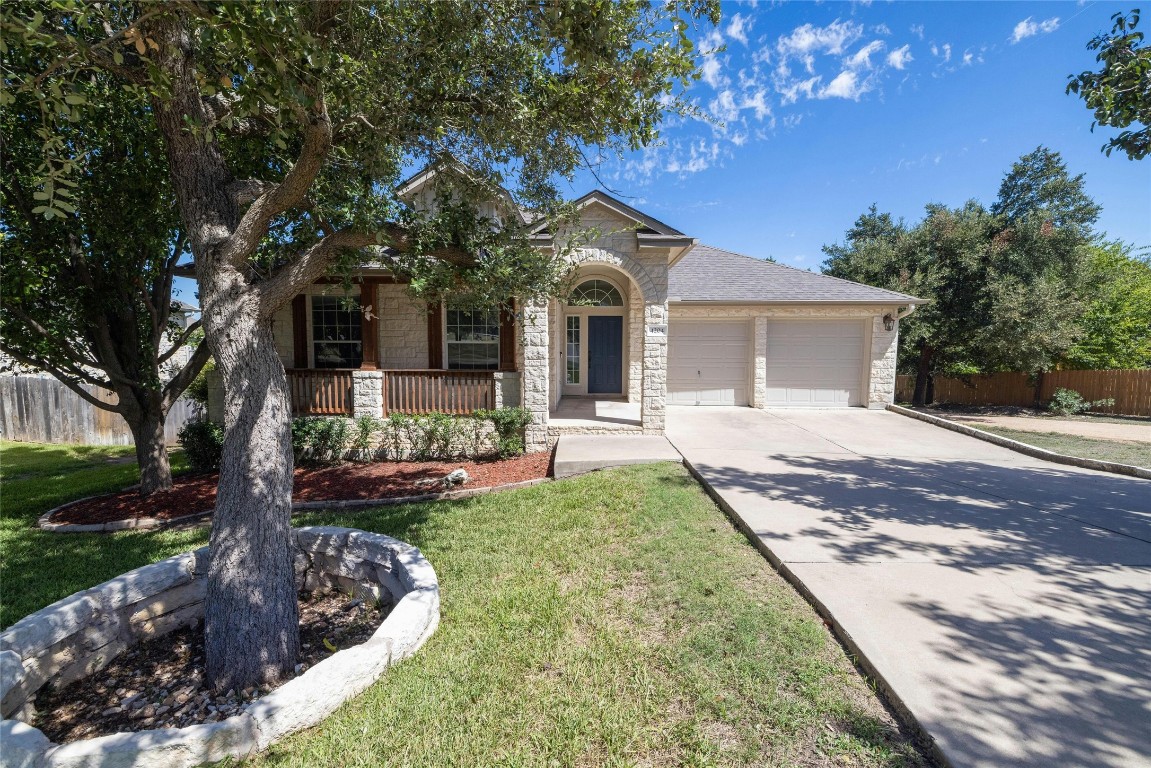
1002,600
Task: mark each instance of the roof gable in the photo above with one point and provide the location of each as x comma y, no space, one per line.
646,225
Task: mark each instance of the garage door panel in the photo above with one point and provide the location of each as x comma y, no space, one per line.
815,363
708,363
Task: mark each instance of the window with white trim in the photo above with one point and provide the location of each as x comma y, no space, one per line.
336,332
473,339
595,293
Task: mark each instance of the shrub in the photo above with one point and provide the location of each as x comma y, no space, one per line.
203,444
509,424
1068,402
318,440
363,434
197,391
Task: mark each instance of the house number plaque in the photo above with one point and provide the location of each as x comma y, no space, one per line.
657,330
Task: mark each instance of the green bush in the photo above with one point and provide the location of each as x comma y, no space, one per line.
203,444
318,440
197,391
509,424
1068,402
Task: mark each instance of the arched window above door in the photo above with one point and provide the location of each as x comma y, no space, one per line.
595,293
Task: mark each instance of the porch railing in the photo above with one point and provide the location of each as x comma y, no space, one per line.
320,393
424,391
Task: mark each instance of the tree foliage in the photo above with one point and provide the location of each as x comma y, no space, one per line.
86,281
1120,92
1116,326
1006,285
286,128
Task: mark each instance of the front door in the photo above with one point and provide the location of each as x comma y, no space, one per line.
605,355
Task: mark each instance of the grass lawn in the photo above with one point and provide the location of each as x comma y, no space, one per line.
1121,451
611,619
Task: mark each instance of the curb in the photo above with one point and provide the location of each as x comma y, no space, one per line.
906,717
44,522
1030,450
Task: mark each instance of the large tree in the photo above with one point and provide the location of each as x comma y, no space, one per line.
286,126
86,292
1006,285
1115,329
1120,92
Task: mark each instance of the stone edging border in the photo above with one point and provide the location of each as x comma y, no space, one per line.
44,522
1039,453
374,564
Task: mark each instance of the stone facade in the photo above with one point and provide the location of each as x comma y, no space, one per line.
403,329
367,393
535,372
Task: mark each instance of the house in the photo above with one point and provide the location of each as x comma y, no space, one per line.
655,319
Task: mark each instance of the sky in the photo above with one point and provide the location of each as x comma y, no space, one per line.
829,107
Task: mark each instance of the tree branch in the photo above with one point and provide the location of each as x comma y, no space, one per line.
288,193
65,379
178,383
179,342
308,267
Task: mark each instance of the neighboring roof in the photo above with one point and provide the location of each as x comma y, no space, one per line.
709,274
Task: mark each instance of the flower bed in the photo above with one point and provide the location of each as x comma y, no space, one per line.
382,480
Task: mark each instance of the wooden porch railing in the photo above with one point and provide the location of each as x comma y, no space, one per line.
429,391
320,392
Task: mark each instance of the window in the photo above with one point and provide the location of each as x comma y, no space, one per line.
336,326
595,293
473,339
573,350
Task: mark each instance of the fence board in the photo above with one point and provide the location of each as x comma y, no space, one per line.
40,409
1131,389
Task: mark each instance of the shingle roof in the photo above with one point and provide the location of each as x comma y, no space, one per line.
712,274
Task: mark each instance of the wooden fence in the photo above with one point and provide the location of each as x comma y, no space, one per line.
42,410
1131,389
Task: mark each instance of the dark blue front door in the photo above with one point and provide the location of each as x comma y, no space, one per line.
605,355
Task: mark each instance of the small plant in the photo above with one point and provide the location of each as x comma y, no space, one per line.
319,440
197,391
363,434
1068,402
203,444
509,424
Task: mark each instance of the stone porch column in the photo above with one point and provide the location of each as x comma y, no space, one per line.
653,401
759,391
535,373
367,393
884,345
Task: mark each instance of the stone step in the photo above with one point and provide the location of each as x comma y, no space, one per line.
583,453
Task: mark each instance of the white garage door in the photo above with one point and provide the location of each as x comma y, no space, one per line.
708,362
814,363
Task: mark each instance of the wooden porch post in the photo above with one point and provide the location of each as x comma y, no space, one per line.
508,338
435,336
369,324
300,331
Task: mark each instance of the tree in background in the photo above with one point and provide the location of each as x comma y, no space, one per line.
86,294
286,127
1120,92
1006,285
1116,326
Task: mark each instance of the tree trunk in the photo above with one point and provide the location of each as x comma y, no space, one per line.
151,453
251,617
922,374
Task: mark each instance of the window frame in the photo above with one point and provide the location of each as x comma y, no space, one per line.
445,363
355,322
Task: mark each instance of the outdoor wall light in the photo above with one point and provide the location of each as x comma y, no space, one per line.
888,322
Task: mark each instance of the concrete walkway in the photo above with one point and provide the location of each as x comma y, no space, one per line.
584,453
1100,430
1005,602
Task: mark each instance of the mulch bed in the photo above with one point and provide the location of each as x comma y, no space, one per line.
379,480
160,683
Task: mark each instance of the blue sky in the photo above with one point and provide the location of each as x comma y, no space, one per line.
829,107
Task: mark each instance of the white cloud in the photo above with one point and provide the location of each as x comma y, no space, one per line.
968,58
723,107
900,57
942,52
846,85
756,102
808,39
737,29
881,29
1028,28
790,90
917,30
711,70
701,156
861,59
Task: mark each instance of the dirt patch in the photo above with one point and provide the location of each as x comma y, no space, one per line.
379,480
160,683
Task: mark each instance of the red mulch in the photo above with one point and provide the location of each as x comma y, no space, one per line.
379,480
